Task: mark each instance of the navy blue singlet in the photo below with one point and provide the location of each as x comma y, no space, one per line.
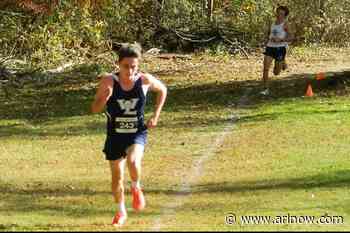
125,119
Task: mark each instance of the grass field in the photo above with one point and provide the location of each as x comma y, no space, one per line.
220,148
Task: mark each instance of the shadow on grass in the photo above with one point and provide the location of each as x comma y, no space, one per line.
70,94
223,94
42,96
339,179
63,201
79,129
275,115
79,203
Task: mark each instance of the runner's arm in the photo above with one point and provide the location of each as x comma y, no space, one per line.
290,36
103,93
156,86
267,38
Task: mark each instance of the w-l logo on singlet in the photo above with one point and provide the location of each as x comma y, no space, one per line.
128,106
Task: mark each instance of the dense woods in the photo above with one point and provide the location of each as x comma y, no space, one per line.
50,31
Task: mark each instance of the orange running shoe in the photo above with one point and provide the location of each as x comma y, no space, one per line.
119,219
138,199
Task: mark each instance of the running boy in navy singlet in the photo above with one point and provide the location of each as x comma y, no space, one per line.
124,96
278,38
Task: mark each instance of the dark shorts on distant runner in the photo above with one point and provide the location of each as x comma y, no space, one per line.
277,53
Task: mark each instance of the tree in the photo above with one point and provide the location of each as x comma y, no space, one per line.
210,8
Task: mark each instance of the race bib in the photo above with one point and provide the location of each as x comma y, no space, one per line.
126,124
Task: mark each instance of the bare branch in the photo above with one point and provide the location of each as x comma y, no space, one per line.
193,40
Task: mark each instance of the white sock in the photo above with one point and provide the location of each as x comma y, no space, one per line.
135,184
121,208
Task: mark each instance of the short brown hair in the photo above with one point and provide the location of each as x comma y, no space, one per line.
285,9
130,50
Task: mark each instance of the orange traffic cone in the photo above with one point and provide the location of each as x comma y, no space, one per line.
320,76
309,91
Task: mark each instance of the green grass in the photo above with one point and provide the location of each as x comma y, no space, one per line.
276,165
286,154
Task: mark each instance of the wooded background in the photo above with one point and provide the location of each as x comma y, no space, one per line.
50,31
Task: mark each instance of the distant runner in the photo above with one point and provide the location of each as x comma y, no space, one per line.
276,47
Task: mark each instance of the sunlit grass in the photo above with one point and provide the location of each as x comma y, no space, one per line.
285,153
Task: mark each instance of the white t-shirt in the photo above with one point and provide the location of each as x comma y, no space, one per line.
277,31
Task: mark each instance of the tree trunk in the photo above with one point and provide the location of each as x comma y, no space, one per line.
322,8
210,7
159,8
322,14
